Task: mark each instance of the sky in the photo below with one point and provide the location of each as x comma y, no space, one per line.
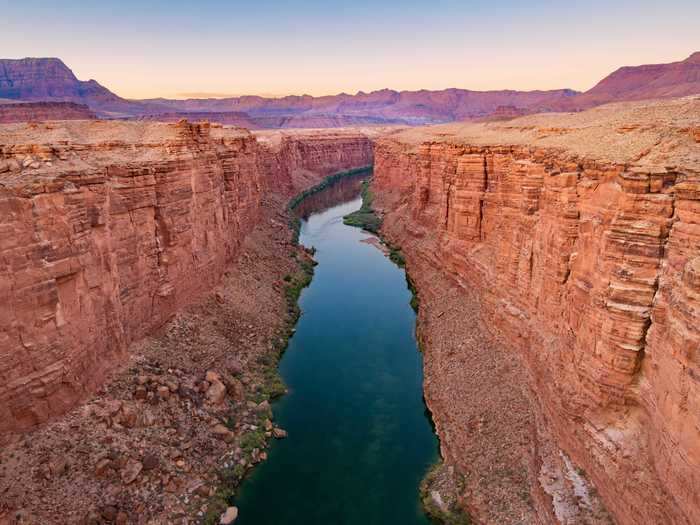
176,49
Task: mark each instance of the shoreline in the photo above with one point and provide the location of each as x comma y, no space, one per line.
439,489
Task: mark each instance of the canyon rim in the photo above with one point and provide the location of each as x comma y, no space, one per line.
468,304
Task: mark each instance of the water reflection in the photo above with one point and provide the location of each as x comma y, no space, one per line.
343,190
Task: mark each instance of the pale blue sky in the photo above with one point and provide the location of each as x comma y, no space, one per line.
169,48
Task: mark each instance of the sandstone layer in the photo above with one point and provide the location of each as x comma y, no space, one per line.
41,111
578,237
108,229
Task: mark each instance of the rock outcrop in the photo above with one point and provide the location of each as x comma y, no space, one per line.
50,80
108,229
579,236
42,111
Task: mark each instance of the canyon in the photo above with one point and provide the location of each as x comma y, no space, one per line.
573,241
145,310
104,227
556,258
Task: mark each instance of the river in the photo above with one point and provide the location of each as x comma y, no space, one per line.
359,438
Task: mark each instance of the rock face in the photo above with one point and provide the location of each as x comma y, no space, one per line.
580,237
298,158
49,79
650,81
108,229
42,111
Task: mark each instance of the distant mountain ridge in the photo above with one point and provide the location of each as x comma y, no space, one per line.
49,79
411,107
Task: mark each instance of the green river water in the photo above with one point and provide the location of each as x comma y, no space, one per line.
359,438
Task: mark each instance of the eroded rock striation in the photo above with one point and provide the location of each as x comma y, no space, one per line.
42,111
578,237
108,229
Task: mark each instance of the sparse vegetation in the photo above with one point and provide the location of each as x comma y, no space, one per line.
253,440
219,502
415,301
295,285
274,387
448,485
396,256
295,226
365,218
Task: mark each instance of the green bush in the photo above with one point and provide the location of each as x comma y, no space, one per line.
415,301
397,257
254,439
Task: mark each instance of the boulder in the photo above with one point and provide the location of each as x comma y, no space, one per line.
104,467
131,471
163,392
216,393
223,433
150,461
263,408
229,516
278,433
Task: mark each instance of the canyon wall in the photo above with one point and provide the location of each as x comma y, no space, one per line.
580,238
108,229
298,158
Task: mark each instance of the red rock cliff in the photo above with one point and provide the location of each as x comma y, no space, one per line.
298,158
580,237
107,229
